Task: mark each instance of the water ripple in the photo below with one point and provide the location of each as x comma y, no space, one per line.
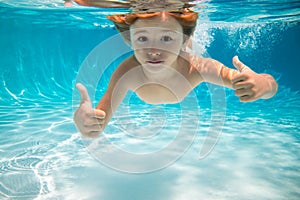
42,155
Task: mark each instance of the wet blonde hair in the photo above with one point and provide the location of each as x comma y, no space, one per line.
187,19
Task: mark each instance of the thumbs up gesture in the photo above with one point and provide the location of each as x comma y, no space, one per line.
89,121
250,86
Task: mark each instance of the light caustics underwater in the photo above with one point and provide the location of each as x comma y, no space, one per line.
45,48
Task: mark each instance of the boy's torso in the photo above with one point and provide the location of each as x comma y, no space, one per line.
170,90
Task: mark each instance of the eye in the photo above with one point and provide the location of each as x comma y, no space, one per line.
142,39
166,39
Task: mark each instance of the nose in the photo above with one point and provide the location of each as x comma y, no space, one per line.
153,52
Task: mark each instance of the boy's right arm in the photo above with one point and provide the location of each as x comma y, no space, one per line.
91,122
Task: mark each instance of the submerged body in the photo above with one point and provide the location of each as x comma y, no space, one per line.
160,72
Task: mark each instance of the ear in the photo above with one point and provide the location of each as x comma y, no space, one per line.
187,43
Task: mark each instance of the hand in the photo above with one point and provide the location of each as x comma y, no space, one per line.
89,121
250,86
68,3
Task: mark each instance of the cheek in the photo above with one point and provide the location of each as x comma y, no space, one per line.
173,50
179,45
136,46
171,57
139,54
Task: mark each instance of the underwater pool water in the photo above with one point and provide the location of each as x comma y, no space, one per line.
45,47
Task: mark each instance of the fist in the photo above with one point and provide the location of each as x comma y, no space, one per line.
89,121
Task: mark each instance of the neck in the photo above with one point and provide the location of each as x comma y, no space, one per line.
163,75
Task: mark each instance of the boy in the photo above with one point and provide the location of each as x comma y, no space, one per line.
160,71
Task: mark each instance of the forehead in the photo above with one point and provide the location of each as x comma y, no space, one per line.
159,22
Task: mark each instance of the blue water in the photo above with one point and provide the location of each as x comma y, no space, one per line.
45,49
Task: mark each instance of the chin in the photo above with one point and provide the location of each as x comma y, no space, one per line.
155,68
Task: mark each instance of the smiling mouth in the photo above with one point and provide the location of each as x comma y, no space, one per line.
155,62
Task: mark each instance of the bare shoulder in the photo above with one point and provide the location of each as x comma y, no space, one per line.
199,63
192,67
203,68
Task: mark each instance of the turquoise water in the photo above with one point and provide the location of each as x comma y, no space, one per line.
46,48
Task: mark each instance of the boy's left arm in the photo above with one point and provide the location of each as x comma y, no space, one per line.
248,85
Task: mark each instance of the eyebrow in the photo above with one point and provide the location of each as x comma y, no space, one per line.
141,31
145,31
170,31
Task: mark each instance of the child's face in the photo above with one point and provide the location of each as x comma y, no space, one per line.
156,41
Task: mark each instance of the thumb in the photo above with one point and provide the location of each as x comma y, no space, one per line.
84,96
100,113
239,65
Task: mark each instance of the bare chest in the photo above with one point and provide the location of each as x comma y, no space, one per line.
162,93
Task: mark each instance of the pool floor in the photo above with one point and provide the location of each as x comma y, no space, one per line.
42,156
